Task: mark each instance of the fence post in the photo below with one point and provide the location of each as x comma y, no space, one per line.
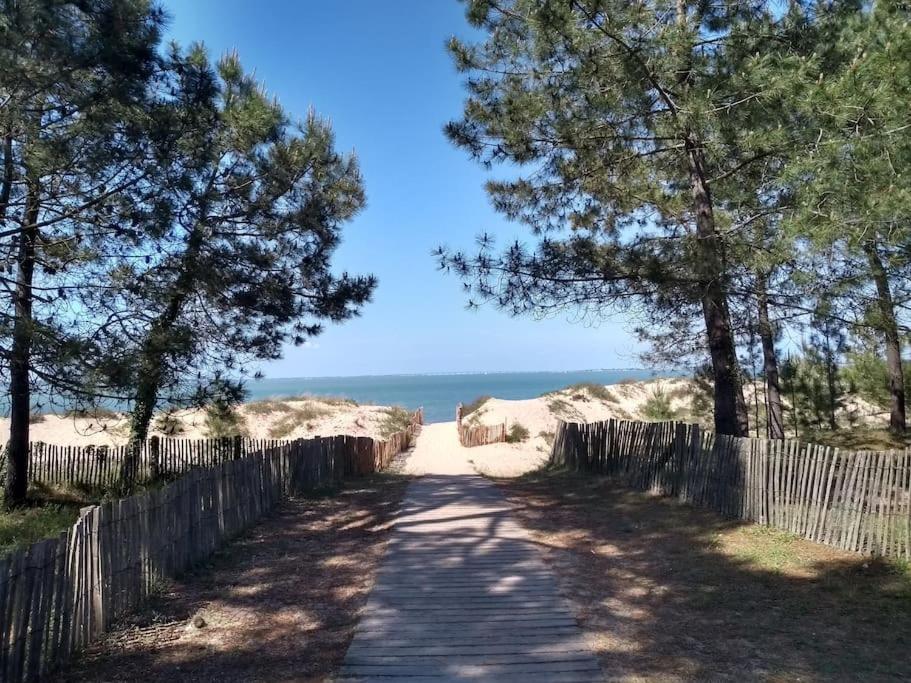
154,453
238,447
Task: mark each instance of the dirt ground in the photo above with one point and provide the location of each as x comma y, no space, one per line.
669,592
279,604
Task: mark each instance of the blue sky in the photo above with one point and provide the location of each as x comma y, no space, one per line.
380,72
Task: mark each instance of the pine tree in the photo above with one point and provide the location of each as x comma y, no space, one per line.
239,228
72,77
631,125
854,199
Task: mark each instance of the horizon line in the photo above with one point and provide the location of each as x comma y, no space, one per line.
467,372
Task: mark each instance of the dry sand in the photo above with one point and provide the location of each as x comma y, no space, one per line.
314,416
279,418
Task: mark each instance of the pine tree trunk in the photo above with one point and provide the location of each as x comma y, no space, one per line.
731,412
831,382
889,327
153,354
6,185
16,486
774,410
149,378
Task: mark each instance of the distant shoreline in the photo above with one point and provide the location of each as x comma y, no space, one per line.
437,393
656,373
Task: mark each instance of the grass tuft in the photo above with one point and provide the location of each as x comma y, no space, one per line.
296,417
596,391
395,419
517,433
657,407
21,527
94,412
224,421
168,424
267,407
469,408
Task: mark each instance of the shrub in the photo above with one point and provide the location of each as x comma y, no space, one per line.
657,407
36,418
517,433
223,421
548,437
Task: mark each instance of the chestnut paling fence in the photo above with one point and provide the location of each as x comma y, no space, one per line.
858,501
59,595
478,435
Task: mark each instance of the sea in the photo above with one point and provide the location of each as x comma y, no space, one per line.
438,394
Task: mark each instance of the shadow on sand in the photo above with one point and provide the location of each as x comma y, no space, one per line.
671,591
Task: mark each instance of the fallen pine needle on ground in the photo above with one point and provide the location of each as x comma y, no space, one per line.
280,603
666,591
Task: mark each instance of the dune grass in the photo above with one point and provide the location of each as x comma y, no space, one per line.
94,413
474,406
328,400
857,438
21,527
395,419
597,391
517,433
295,417
267,407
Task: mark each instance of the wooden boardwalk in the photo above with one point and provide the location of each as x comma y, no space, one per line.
464,595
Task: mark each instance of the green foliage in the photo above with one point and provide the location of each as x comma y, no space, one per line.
21,527
255,273
517,433
647,161
865,373
224,421
597,391
657,407
804,384
395,419
294,417
267,407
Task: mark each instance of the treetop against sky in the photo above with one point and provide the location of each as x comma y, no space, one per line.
381,73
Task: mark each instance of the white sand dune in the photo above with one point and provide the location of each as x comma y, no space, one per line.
279,418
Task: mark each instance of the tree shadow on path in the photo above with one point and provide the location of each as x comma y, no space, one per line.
279,604
669,592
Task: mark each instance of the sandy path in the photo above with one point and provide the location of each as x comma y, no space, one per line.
438,451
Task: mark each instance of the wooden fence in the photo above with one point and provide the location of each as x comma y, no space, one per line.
478,435
857,501
59,595
101,466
